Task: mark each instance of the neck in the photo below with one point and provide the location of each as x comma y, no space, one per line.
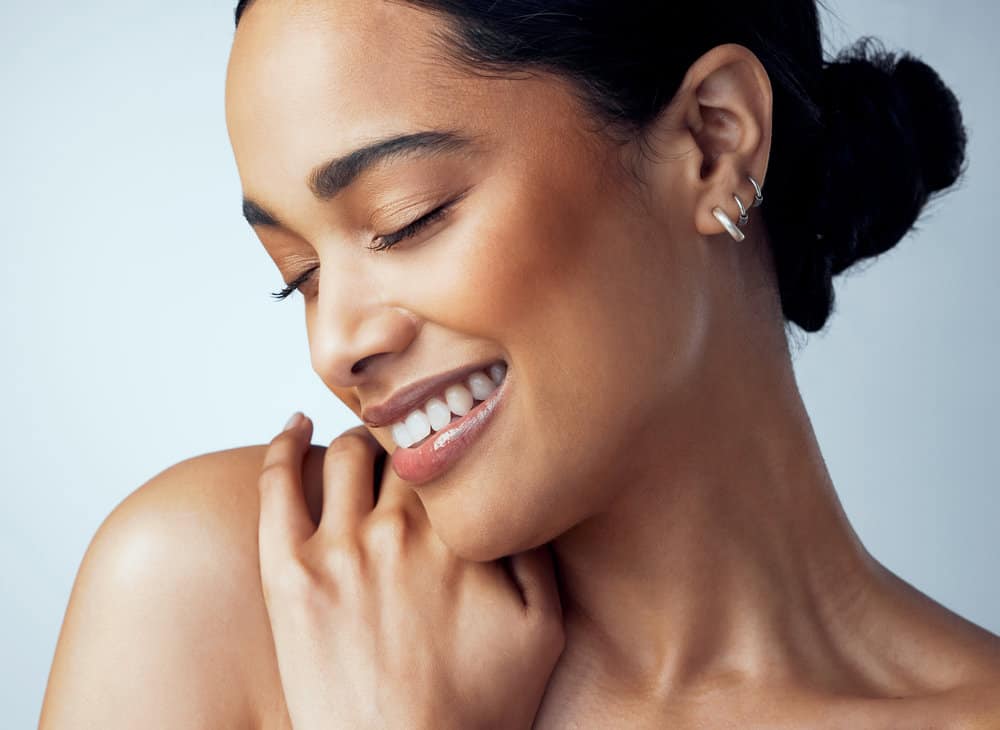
726,550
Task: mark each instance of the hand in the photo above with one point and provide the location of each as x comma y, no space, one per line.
376,623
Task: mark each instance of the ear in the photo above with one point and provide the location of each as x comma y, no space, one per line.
724,104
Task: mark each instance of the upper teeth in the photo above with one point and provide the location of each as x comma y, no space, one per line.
436,412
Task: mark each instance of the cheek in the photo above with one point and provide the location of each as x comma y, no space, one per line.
600,314
606,321
493,275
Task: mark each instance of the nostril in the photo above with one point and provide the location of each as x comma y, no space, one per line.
361,364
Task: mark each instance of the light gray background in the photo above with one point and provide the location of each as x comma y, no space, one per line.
137,331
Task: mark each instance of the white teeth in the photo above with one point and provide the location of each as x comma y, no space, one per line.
481,386
400,435
459,399
438,413
498,371
417,425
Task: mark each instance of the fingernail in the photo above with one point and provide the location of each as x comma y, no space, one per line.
294,420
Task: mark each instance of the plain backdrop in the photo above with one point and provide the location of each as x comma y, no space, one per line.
137,329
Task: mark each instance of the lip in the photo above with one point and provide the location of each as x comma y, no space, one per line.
443,448
411,396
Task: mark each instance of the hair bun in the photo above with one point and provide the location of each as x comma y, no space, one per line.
894,136
937,122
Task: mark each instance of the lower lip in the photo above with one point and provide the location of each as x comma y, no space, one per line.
436,454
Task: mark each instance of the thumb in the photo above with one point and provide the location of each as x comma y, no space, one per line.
536,575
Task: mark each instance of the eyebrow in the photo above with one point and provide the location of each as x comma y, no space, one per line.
330,178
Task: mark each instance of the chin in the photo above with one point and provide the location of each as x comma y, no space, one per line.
478,540
483,529
470,528
489,505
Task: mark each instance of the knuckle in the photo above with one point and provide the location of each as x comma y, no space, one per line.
387,532
272,474
279,439
290,580
356,441
344,560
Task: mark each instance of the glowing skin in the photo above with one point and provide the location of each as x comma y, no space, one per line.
653,428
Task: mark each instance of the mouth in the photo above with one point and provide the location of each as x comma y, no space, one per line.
431,455
449,405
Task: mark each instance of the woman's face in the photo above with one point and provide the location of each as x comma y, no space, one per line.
551,259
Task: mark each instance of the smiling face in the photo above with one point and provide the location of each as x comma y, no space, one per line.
547,259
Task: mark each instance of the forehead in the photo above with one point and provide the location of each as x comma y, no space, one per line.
308,80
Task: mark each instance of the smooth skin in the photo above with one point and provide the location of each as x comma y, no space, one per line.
377,623
653,436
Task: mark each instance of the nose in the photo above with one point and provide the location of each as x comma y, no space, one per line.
350,330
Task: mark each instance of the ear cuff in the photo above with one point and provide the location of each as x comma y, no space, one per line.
733,228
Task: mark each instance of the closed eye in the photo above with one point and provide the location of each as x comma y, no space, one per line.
391,239
382,242
292,286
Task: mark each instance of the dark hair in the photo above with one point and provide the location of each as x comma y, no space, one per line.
860,141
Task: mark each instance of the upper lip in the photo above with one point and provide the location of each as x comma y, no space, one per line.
409,397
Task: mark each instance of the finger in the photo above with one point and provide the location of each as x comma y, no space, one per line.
284,518
397,494
535,573
348,480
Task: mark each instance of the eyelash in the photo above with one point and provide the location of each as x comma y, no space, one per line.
391,239
388,241
292,286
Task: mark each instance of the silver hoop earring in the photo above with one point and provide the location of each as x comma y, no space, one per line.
727,223
743,211
758,196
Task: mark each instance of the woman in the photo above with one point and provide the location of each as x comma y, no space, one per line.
610,509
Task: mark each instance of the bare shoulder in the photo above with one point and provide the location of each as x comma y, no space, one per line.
973,705
975,702
222,486
166,617
956,660
979,705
